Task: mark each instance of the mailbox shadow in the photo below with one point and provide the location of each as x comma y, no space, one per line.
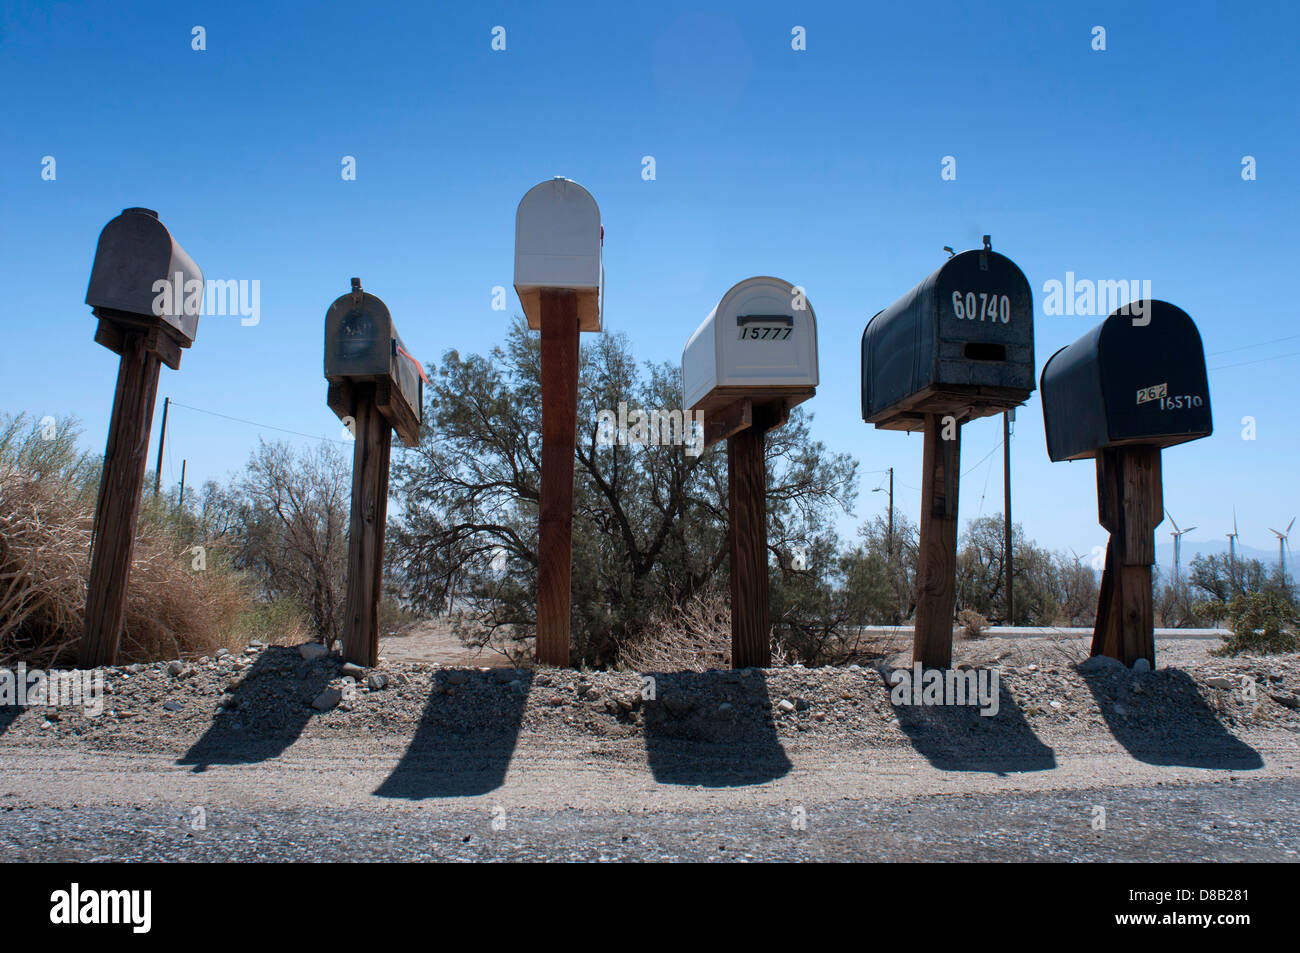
959,738
445,759
8,715
690,739
273,704
1160,718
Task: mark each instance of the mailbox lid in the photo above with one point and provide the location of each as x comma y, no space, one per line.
135,251
359,337
558,242
985,313
1125,383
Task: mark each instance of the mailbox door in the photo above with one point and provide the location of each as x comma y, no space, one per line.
1153,377
762,339
358,338
985,322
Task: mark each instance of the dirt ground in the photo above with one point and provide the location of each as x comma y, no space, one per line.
584,764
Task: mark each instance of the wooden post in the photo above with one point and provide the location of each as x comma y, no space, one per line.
555,508
1130,505
113,539
937,572
370,455
751,642
1007,554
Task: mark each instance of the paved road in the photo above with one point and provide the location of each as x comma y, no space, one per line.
1225,821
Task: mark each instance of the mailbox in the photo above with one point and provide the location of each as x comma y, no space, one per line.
1137,378
134,253
363,346
760,342
961,342
558,241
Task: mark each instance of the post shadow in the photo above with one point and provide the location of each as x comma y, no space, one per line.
690,741
273,706
959,738
1167,722
8,715
445,759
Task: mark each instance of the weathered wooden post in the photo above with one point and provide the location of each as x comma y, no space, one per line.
753,358
958,346
147,294
375,387
560,280
1134,384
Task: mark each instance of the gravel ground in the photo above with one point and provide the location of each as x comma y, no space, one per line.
727,754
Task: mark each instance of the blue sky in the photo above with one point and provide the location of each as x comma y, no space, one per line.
820,166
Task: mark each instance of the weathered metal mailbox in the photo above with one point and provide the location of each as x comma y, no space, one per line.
558,239
560,280
363,346
147,294
753,358
142,278
375,386
961,342
1132,385
958,346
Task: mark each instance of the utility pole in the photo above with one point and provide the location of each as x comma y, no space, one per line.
181,502
1007,417
889,545
162,436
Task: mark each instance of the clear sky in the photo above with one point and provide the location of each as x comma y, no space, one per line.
821,166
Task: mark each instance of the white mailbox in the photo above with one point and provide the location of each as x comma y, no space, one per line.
760,342
558,240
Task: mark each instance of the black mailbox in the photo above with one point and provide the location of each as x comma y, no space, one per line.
1130,380
134,255
961,342
362,346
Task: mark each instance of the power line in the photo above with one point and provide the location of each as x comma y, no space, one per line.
1275,357
254,423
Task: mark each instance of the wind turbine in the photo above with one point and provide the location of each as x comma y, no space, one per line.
1282,546
1232,541
1178,535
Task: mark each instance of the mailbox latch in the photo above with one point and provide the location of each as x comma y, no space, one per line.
984,253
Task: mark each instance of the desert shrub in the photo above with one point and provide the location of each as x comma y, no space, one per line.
47,501
972,624
1262,623
690,636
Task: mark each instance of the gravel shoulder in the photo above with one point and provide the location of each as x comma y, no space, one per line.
427,745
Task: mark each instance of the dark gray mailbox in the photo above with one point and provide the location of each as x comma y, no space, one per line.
960,343
362,346
1131,386
1127,383
143,278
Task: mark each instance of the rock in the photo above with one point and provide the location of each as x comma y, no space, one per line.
1120,710
175,668
624,702
724,708
802,704
327,699
221,653
1219,681
785,706
678,705
556,700
503,675
353,670
172,705
457,676
1288,699
230,702
1141,665
1100,663
1055,704
376,681
311,651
